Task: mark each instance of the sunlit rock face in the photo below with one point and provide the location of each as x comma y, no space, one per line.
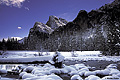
54,22
94,30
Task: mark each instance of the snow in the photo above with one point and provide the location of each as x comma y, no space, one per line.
21,74
114,71
76,77
114,66
29,56
88,73
55,71
27,59
73,73
114,77
92,77
53,76
49,72
79,66
29,69
27,75
3,71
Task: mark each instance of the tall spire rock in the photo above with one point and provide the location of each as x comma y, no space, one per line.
54,22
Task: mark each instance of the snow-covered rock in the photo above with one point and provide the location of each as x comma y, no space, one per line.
112,66
47,65
21,74
69,69
41,27
3,71
55,71
54,22
53,77
82,71
79,66
92,77
27,75
88,73
114,71
114,77
76,77
73,73
104,72
29,69
63,71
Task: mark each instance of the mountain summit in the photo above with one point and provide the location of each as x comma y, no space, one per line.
54,22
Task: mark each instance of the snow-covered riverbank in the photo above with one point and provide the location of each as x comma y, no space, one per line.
32,56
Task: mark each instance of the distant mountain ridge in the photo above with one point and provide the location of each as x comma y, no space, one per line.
96,30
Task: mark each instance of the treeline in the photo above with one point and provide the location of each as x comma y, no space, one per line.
11,44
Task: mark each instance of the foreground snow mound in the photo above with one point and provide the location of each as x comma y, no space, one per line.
53,77
55,71
114,72
79,66
29,69
113,66
2,71
21,74
114,77
88,73
69,69
73,73
76,77
82,71
92,77
104,72
27,75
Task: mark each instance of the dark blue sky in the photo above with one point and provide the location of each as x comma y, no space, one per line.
30,11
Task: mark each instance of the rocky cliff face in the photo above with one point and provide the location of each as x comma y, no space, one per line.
96,30
54,22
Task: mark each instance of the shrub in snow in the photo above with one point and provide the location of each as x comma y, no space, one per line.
58,59
76,77
74,54
27,75
88,73
114,77
92,77
21,66
2,71
29,69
